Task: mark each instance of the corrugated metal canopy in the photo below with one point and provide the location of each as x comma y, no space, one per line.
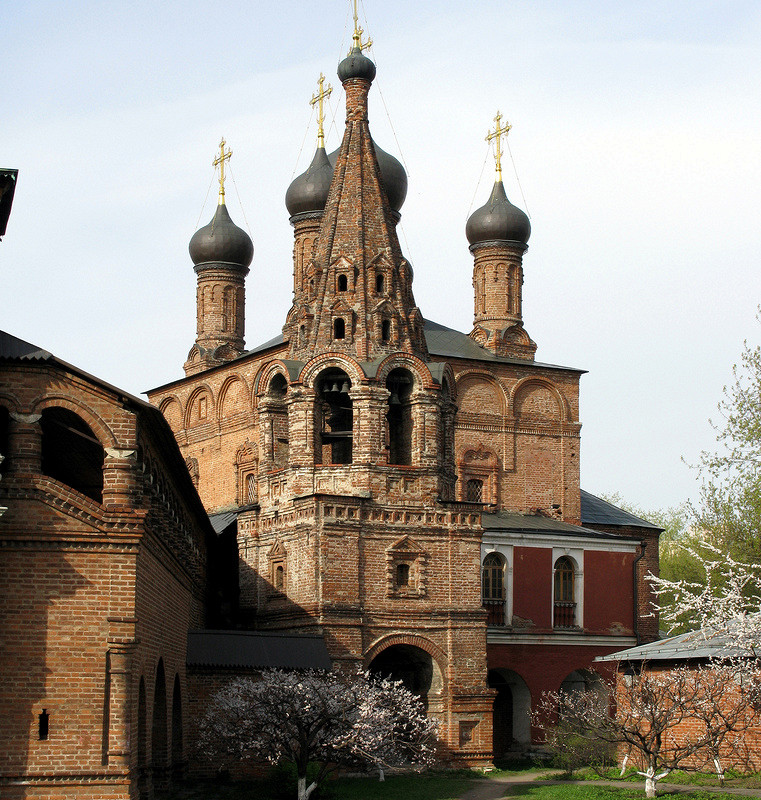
255,650
695,645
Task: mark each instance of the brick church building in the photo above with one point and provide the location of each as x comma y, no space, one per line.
382,490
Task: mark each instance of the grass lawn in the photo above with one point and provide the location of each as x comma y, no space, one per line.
431,786
591,792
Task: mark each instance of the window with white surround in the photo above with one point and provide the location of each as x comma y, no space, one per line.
497,584
567,589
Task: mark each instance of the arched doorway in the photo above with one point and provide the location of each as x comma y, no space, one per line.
159,730
511,712
178,764
142,737
411,665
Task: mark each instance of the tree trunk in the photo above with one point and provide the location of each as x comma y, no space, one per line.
304,790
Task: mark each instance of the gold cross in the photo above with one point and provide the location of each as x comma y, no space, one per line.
496,135
357,36
317,99
220,162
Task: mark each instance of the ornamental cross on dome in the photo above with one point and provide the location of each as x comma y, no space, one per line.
220,162
357,36
496,137
322,94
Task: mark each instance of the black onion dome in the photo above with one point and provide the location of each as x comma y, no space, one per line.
498,220
392,174
309,192
356,65
222,241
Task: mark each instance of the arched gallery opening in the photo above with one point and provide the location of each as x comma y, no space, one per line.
511,712
411,665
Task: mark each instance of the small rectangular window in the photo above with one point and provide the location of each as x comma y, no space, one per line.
44,724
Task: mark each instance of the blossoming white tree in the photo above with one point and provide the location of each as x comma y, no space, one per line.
329,718
682,714
664,719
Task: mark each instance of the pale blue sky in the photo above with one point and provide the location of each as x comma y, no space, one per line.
636,140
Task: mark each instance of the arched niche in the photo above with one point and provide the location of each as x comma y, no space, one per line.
538,401
172,411
480,394
234,398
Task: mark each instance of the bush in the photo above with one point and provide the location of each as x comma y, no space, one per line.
571,752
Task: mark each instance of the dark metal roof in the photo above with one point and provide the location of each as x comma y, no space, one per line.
596,511
442,341
686,646
14,348
221,522
256,650
449,343
538,523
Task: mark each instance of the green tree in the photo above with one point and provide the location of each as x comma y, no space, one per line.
730,502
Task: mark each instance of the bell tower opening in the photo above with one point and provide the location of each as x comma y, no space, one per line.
399,383
335,418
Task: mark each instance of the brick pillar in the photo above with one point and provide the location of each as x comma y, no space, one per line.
121,646
370,435
119,478
25,443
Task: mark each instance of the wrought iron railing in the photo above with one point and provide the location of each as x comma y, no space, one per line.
495,611
565,614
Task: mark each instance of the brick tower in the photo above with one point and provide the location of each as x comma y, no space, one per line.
221,252
498,233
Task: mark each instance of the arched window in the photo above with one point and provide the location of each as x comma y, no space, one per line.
474,491
279,576
493,588
250,488
339,328
343,283
386,330
380,282
564,595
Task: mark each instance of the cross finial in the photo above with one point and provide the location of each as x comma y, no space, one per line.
496,136
357,36
322,94
220,162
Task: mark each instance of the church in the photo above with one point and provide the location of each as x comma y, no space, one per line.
368,488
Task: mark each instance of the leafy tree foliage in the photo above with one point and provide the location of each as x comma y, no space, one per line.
730,512
329,718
